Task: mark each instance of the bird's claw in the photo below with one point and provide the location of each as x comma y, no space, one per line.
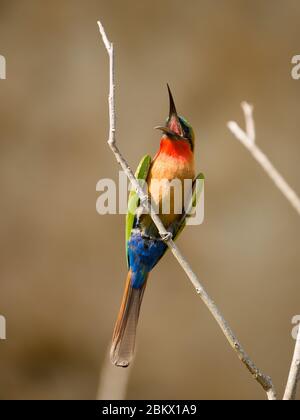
166,237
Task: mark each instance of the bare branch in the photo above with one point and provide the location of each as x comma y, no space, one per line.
294,376
260,377
250,127
247,138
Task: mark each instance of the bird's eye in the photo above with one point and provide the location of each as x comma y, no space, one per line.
186,130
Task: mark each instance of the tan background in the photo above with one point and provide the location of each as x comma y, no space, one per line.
63,266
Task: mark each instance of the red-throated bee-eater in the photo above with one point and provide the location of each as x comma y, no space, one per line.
144,246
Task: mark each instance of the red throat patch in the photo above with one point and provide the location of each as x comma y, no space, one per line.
179,149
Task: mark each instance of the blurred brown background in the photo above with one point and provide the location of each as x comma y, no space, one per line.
63,266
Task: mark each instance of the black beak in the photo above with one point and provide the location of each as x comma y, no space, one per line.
173,126
172,112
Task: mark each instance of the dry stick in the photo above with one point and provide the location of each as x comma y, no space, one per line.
247,138
294,376
260,377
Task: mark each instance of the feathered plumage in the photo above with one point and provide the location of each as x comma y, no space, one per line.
144,247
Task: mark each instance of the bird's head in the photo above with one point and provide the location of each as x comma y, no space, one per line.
177,127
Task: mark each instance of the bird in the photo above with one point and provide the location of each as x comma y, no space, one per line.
144,245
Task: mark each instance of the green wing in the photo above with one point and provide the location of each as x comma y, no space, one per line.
197,190
133,200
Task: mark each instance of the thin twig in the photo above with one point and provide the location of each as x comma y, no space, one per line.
247,138
294,375
260,377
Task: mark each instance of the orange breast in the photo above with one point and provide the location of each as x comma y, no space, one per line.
173,164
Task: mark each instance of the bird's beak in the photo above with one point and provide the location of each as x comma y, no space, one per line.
173,126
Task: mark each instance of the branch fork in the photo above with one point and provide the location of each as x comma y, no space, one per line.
247,138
